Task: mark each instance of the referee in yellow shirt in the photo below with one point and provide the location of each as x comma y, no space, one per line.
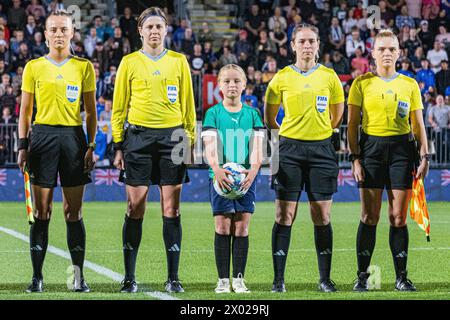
57,142
313,100
154,93
384,157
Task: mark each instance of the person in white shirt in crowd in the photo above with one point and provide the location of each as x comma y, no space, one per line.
90,41
353,42
439,119
277,17
436,55
443,36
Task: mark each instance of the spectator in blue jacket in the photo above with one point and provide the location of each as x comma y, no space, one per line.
426,75
406,70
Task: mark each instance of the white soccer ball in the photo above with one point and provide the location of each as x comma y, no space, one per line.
236,178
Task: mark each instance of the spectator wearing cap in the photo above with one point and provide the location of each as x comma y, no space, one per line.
242,44
425,36
17,16
426,75
254,23
430,9
404,19
277,17
436,55
406,68
443,78
354,42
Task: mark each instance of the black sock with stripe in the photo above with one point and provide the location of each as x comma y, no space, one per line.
281,238
323,237
398,241
38,245
76,242
172,234
131,239
365,244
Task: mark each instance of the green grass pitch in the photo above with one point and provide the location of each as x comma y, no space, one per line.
427,262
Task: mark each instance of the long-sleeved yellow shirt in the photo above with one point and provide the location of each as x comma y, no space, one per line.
154,92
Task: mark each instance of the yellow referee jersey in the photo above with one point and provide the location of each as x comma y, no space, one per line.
155,92
306,99
58,88
385,103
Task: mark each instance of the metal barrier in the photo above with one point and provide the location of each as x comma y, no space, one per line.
438,145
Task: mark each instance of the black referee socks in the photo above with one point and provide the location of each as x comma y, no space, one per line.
281,237
323,236
222,245
131,239
38,245
76,241
398,241
240,253
365,244
172,240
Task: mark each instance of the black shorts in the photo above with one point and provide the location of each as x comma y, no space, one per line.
388,162
306,165
148,157
57,149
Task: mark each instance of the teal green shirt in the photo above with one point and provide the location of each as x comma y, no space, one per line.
234,132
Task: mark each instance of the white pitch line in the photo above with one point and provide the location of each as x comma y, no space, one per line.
90,265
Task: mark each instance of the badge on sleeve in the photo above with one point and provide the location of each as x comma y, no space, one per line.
72,93
172,93
321,103
402,108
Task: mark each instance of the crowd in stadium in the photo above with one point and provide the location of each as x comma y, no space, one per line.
261,47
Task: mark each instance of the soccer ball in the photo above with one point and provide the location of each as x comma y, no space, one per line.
236,178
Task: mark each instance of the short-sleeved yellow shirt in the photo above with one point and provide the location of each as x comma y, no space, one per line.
58,88
306,99
386,103
154,92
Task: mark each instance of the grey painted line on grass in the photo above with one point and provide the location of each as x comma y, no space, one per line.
87,264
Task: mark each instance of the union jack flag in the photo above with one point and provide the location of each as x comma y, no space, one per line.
108,177
2,177
445,178
346,177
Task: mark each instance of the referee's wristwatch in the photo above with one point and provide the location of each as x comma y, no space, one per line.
92,145
352,157
426,157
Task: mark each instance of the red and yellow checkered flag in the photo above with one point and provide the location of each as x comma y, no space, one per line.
418,207
28,202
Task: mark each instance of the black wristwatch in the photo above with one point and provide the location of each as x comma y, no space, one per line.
352,157
92,146
426,157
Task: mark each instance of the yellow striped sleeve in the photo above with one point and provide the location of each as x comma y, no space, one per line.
89,78
28,80
187,102
121,100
